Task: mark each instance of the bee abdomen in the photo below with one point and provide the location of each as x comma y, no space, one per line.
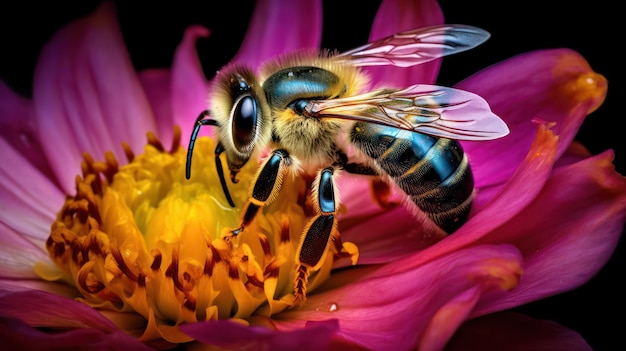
433,172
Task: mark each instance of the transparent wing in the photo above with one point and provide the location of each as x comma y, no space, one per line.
429,109
417,46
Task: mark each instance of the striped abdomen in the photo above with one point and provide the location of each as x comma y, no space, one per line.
433,172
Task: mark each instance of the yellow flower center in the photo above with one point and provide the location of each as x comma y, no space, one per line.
142,238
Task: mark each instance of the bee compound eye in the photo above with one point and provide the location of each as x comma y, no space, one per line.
244,122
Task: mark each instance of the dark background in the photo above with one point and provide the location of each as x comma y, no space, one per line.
595,310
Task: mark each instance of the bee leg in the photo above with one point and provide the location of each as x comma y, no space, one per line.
204,119
381,192
380,189
220,172
318,232
357,168
266,186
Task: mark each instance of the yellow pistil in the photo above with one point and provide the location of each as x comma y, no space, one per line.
142,238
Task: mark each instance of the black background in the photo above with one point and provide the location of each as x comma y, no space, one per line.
595,310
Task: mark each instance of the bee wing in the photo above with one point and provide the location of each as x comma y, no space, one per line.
429,109
417,46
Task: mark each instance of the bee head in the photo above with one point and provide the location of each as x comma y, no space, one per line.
238,105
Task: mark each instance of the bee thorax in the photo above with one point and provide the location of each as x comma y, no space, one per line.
310,140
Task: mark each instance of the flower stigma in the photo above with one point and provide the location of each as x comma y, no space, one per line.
142,238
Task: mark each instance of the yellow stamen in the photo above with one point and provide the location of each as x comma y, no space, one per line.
142,238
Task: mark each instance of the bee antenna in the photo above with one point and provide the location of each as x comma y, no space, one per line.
220,172
202,120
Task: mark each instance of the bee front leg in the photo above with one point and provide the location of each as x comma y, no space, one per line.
266,186
219,149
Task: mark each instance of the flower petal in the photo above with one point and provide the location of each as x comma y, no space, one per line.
177,96
398,304
563,90
565,236
521,188
395,16
18,255
17,335
232,335
157,85
29,199
87,96
513,331
576,152
447,319
278,27
547,238
388,235
17,285
19,128
43,309
189,87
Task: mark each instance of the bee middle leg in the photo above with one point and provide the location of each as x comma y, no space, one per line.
324,224
266,186
321,229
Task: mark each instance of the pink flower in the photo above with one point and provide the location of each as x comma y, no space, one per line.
526,238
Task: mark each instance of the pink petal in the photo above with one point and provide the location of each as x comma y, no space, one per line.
388,235
566,237
19,128
515,332
399,305
363,221
42,309
235,336
29,200
189,87
18,285
18,255
157,85
551,241
563,90
87,96
575,152
17,335
177,96
523,185
355,193
449,317
395,16
280,26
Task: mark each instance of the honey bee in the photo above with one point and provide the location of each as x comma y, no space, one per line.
311,107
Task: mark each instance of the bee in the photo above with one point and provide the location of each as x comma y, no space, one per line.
312,107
